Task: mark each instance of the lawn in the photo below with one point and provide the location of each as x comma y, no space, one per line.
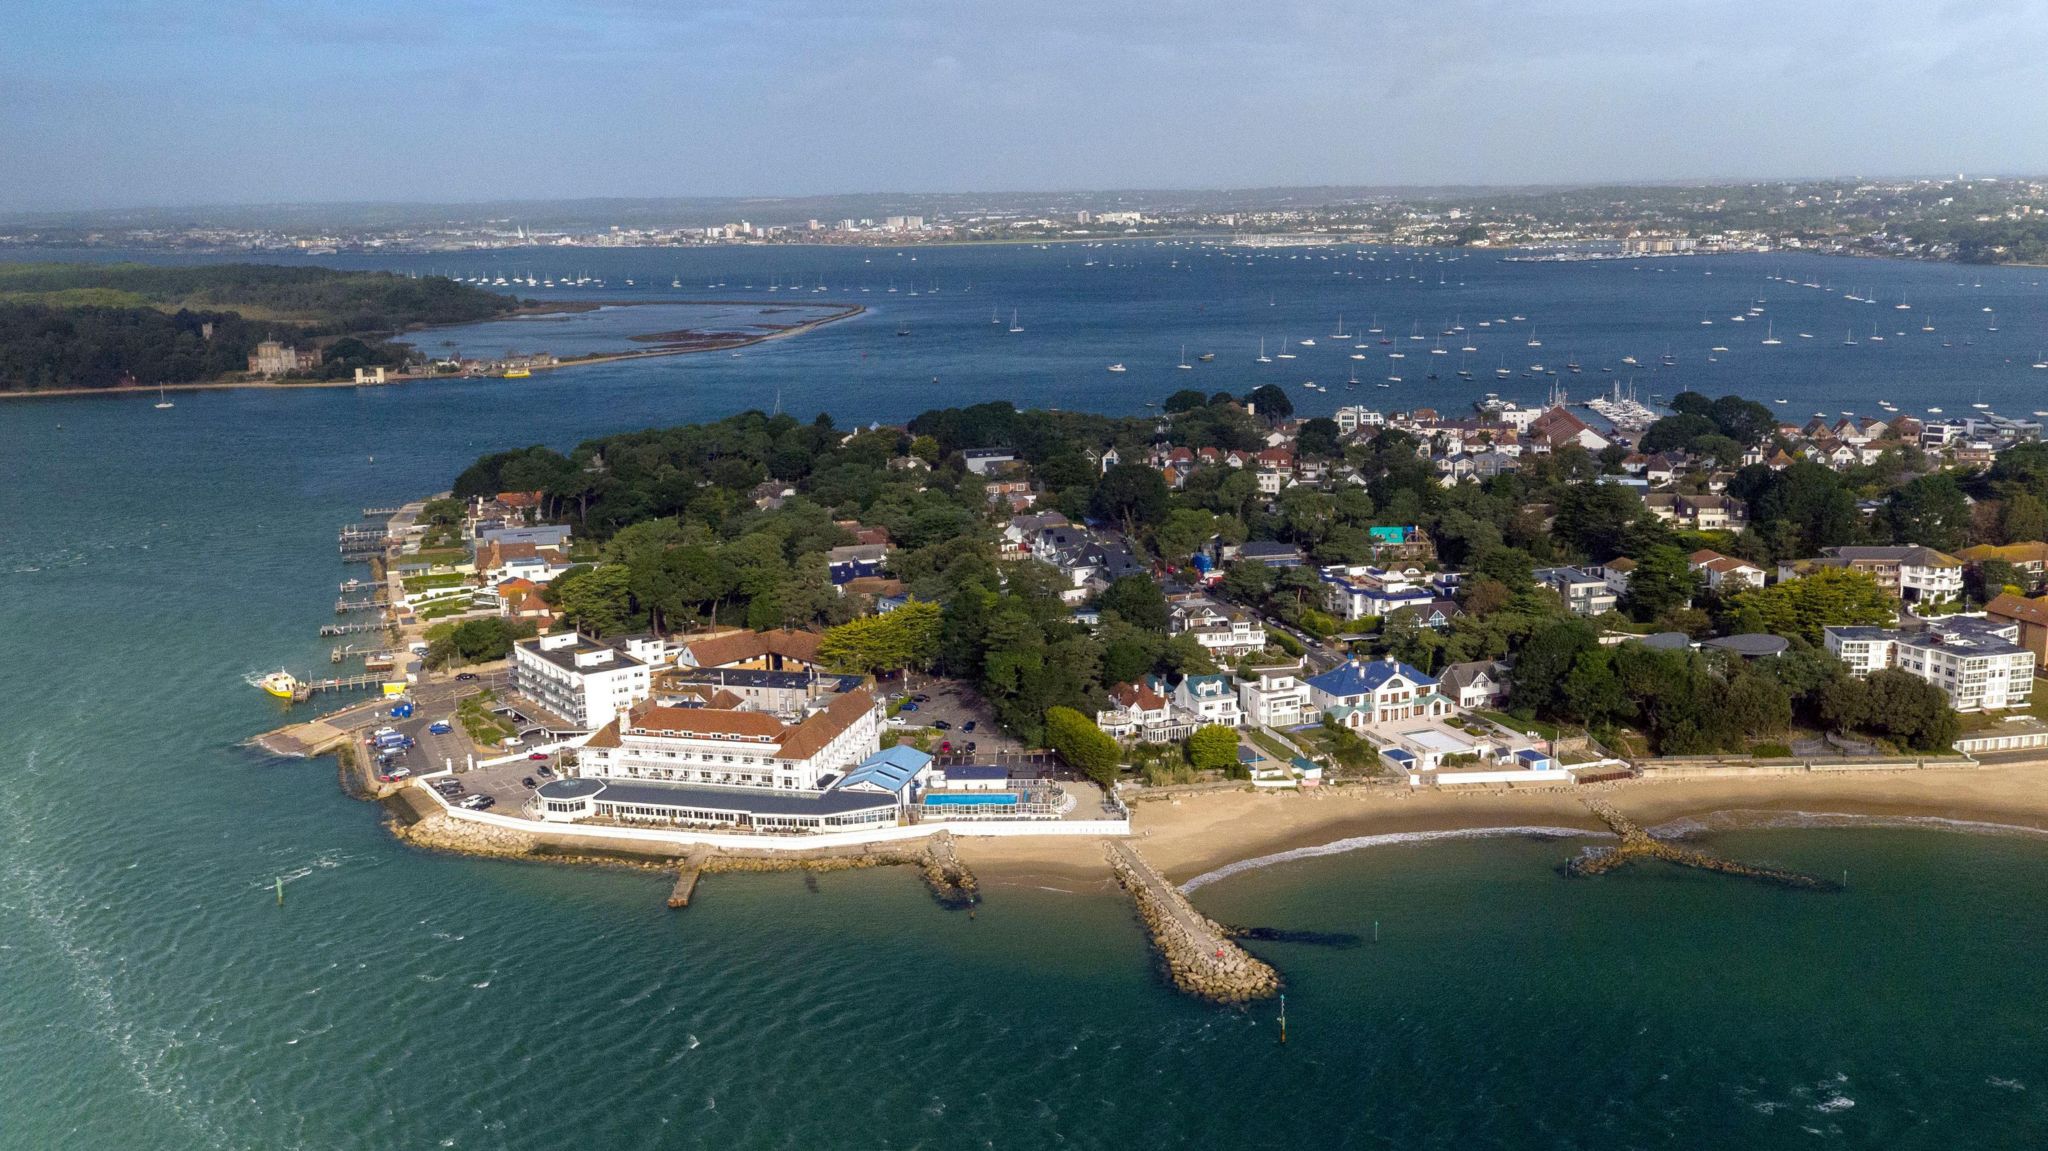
1273,748
434,581
1543,730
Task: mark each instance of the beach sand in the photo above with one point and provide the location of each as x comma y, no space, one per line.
1197,833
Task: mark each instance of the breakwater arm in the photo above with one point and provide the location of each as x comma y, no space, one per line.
1200,956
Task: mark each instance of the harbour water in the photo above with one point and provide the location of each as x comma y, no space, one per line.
153,995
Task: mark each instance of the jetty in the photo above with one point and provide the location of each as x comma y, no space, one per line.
686,880
345,605
386,513
1639,844
1200,956
952,884
339,683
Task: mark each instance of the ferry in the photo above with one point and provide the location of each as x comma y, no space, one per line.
282,684
517,373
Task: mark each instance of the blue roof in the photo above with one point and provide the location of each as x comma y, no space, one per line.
1212,685
889,768
1357,678
1531,755
1398,756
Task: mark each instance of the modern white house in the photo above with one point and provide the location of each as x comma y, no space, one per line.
1362,694
1978,662
1724,575
579,679
1224,632
1275,697
1913,573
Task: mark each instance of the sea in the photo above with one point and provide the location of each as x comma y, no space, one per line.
1441,992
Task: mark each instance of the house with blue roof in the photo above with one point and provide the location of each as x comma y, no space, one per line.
1368,693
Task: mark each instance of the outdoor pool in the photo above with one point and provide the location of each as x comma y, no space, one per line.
965,800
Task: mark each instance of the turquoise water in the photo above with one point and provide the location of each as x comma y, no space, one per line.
152,994
982,797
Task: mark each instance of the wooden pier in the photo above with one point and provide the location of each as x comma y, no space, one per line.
372,513
338,683
344,605
360,628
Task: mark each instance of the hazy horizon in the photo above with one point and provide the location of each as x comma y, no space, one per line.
116,105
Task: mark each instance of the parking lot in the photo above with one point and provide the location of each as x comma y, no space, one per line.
955,706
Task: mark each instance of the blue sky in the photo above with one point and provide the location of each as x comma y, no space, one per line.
107,103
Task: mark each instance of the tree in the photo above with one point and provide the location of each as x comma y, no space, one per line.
1830,597
1137,601
1318,437
1271,402
1757,706
1083,745
1185,531
1663,580
1213,747
1130,495
2023,518
1930,510
598,600
905,638
1544,661
1249,582
1185,400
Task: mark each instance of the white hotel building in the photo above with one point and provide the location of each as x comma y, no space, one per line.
712,747
579,679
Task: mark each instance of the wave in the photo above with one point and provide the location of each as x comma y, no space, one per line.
1757,819
1386,839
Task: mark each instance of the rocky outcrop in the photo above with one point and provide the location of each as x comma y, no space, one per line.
1199,955
1639,844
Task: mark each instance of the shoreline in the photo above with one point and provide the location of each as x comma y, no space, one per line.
845,312
1193,835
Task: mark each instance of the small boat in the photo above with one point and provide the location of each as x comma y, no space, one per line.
1205,357
161,400
1263,357
1184,365
1117,368
517,373
282,684
1014,325
1771,339
1781,401
1309,343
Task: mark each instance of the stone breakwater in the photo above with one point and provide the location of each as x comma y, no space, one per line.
1200,957
1639,844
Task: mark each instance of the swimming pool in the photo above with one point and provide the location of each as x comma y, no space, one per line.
965,800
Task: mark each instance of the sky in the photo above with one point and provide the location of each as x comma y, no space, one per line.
105,103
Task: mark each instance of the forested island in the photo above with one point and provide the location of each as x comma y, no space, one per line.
113,325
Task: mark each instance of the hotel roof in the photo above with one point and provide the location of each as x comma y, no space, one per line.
742,800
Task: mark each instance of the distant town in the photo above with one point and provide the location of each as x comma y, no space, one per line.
1986,219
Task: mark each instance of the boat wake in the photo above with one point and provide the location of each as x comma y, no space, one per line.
1387,839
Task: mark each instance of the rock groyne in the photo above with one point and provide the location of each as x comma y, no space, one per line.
1200,957
1639,844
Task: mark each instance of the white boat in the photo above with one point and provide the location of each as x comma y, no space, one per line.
1014,325
1533,341
1184,365
163,401
1770,336
1263,357
1309,343
1117,368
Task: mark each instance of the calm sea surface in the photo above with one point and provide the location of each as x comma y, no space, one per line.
153,996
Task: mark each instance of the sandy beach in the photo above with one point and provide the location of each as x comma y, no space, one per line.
1193,834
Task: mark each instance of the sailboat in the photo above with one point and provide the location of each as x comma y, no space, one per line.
994,316
1533,341
1375,329
161,400
1284,355
1771,339
1184,365
1263,357
1014,325
1340,333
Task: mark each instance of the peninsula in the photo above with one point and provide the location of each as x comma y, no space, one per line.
770,642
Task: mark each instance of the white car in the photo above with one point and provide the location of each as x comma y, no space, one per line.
897,721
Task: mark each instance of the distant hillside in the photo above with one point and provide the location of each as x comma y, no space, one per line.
96,326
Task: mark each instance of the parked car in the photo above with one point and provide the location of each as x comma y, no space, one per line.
942,725
541,755
440,727
478,802
896,721
908,707
394,774
945,745
968,726
466,677
920,697
543,771
514,741
970,745
528,783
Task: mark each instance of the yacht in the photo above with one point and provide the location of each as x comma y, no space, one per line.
163,401
1771,339
1014,325
1117,368
1184,365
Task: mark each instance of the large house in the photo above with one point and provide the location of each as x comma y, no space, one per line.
1724,575
1479,683
1143,711
1582,591
1558,427
733,747
1977,662
1274,696
1209,699
2029,620
1913,573
780,650
1224,632
1366,694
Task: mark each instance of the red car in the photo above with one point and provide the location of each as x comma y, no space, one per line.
538,755
945,745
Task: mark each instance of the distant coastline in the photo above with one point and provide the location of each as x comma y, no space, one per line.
722,342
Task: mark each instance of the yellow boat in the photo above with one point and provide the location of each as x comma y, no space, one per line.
282,684
516,373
